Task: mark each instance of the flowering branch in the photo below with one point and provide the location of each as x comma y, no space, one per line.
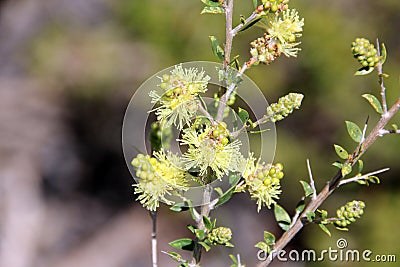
331,186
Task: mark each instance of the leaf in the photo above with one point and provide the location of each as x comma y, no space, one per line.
191,228
175,256
310,216
229,244
374,102
338,165
325,229
255,4
179,207
374,179
383,53
300,206
346,169
205,246
219,191
395,127
212,10
282,217
308,191
341,152
200,234
210,3
216,48
250,24
360,165
354,131
243,115
233,258
234,179
364,71
183,243
207,223
263,246
269,238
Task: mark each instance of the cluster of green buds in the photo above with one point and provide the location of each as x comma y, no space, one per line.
160,136
144,166
273,6
220,134
365,53
348,213
285,106
220,236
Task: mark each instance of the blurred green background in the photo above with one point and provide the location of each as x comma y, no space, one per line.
67,74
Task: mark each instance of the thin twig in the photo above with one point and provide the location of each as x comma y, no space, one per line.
361,177
312,184
381,83
236,30
154,250
384,132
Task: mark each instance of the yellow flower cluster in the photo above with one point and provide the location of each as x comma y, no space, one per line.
262,181
178,97
159,176
212,148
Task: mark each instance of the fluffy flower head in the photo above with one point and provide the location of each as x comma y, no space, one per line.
177,99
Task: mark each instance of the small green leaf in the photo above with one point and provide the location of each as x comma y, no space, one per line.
374,180
250,23
308,191
338,165
234,179
300,206
229,244
219,191
191,228
374,102
364,71
263,246
200,234
216,48
233,258
360,165
395,127
383,53
282,217
269,238
310,216
183,243
325,229
207,223
346,169
211,3
243,115
212,10
205,246
341,152
179,207
354,131
362,182
175,256
255,4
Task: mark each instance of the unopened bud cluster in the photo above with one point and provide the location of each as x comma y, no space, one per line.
270,174
365,52
144,166
348,213
285,106
220,236
275,5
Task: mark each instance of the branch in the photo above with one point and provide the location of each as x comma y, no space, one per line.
154,250
331,186
312,184
236,30
361,177
385,132
381,83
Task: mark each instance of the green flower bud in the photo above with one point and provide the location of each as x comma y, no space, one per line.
220,236
285,106
365,52
348,213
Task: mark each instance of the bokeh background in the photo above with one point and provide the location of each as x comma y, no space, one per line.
67,72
